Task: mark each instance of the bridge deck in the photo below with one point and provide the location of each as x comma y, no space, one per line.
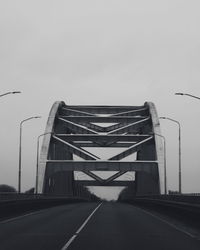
111,226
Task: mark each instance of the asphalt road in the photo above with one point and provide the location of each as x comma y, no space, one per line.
91,226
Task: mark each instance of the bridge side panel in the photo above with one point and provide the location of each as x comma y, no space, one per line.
159,150
58,182
49,150
150,183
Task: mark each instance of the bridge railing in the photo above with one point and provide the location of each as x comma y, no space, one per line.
9,196
6,196
193,198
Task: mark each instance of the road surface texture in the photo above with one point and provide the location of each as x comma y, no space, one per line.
93,226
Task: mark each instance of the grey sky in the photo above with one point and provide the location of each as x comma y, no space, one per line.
99,52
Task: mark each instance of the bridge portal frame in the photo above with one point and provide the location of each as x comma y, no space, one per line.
71,129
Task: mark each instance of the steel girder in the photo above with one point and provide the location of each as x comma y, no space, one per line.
72,130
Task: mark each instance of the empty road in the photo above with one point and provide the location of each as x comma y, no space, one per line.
93,226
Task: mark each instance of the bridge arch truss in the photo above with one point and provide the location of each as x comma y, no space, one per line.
72,129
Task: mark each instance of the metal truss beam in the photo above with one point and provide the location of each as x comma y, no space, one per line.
131,127
74,129
110,145
78,129
113,177
75,112
94,176
77,151
111,184
92,126
103,138
104,109
68,165
104,119
131,149
142,111
99,128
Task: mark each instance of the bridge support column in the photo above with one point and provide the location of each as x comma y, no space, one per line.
147,183
59,182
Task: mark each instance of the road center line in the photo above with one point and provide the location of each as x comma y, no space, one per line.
168,223
80,228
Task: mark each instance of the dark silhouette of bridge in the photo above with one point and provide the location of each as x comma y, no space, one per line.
142,218
72,130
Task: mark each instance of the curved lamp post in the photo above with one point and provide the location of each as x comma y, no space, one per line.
20,150
37,160
193,96
11,92
179,139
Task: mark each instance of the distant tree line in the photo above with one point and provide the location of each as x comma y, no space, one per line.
79,191
7,189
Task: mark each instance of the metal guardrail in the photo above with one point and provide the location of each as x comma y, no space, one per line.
6,196
192,198
189,197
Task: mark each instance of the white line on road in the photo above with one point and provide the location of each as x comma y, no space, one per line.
69,242
20,216
80,228
170,224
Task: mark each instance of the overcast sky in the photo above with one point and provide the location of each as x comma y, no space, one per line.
99,52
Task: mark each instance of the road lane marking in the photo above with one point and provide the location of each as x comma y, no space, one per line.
80,228
19,217
170,224
69,242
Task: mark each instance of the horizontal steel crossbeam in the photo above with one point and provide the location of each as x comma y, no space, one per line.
104,109
104,119
112,184
68,165
142,111
103,138
69,111
106,145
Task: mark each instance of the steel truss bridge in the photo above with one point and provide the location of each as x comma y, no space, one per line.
71,132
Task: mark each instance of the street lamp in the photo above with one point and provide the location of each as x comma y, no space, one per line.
20,150
37,161
165,163
11,92
179,139
196,97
